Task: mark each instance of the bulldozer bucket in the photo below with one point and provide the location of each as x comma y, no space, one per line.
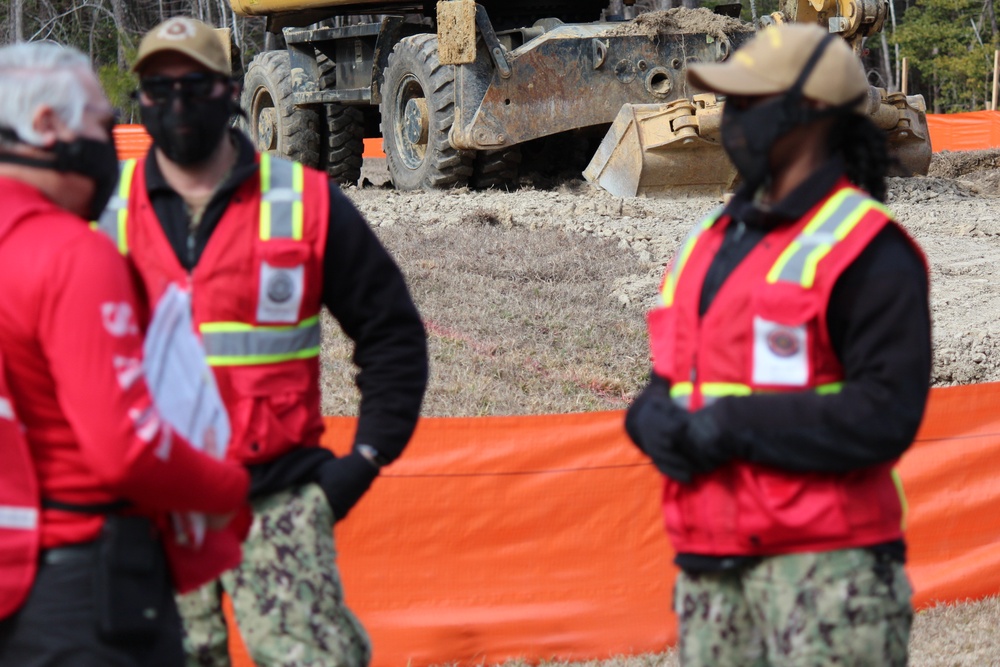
664,150
673,150
907,136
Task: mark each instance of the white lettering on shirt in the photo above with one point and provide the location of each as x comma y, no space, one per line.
119,319
147,422
128,370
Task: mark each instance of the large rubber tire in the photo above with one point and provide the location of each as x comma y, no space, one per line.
274,125
497,169
342,144
418,153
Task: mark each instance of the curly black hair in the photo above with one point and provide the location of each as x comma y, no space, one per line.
863,146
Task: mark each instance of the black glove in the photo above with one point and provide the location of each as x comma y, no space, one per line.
703,443
345,480
657,425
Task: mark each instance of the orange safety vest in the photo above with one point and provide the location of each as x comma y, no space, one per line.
19,508
766,331
255,293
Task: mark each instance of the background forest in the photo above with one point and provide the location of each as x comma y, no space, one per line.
949,44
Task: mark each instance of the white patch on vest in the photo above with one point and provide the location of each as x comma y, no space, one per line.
6,409
780,354
18,518
281,292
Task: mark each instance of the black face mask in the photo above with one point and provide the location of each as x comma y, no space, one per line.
188,136
748,135
98,160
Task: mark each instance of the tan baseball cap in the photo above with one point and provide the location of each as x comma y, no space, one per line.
189,37
772,61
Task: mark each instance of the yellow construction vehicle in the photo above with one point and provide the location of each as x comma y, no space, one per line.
458,90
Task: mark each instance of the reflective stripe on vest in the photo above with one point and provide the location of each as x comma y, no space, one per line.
114,219
670,282
18,518
713,391
239,344
12,516
281,186
833,222
901,492
281,213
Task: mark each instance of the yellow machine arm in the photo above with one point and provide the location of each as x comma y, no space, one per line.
851,19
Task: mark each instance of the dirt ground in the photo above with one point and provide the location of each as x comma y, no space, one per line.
535,303
952,214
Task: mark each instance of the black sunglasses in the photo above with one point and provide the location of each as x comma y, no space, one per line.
197,85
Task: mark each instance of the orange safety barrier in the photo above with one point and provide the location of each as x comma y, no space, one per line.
132,141
373,148
541,537
949,132
971,131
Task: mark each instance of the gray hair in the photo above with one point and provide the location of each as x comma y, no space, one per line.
34,74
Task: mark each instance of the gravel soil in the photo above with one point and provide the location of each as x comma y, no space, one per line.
954,219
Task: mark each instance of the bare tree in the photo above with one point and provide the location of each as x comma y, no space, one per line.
17,9
118,9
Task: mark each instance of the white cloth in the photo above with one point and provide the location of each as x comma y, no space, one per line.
183,389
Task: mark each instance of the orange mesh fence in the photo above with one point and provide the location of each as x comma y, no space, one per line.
964,131
541,537
132,141
952,480
949,132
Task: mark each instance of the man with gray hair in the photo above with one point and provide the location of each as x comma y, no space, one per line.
89,467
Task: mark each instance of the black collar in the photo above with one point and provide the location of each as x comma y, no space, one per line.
796,204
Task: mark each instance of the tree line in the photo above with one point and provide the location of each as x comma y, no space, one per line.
949,44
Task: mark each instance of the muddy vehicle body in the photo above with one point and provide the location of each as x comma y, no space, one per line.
458,91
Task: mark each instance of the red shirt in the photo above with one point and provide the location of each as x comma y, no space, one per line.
73,350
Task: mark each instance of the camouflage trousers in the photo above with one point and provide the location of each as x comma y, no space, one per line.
846,607
287,596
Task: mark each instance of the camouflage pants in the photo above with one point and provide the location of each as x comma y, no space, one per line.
846,607
287,596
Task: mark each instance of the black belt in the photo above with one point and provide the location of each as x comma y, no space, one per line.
85,508
85,552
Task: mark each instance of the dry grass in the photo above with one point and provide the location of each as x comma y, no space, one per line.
519,321
961,635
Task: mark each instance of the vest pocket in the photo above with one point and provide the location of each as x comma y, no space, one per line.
661,323
780,509
272,409
281,281
874,501
676,511
785,322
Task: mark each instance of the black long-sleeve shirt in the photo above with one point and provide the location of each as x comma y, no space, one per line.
362,288
879,325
